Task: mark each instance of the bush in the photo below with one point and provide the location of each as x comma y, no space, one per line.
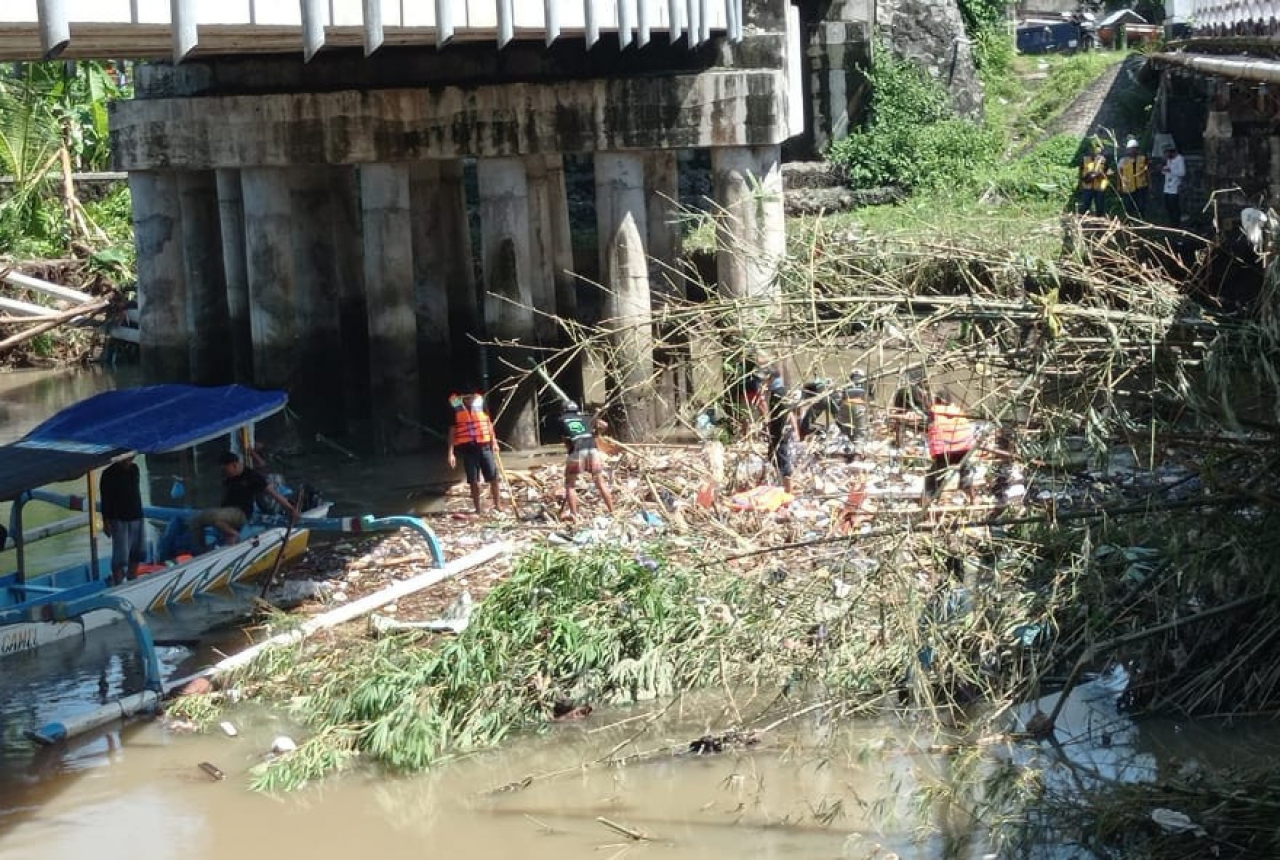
1047,172
912,138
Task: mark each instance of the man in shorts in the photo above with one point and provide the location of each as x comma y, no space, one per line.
241,486
474,439
584,457
121,489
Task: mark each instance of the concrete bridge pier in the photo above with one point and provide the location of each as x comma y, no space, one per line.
208,320
555,294
389,293
666,281
231,229
750,239
346,234
438,259
273,292
319,345
162,292
507,298
622,225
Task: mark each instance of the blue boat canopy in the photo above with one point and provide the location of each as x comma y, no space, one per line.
149,420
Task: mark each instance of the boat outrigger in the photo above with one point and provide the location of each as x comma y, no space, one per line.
65,603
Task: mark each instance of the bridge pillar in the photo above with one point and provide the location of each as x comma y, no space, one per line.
454,240
556,285
269,266
751,237
440,257
231,228
389,288
318,387
622,226
162,292
346,233
507,309
208,321
666,281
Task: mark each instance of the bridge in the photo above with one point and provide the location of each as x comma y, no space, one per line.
307,177
1218,101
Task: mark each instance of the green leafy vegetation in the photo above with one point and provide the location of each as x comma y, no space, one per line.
53,123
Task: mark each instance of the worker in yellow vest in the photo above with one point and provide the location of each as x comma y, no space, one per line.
474,439
1132,171
951,438
1094,181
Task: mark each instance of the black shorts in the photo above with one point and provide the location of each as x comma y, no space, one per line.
942,463
478,460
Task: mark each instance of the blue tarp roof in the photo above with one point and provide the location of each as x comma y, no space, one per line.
148,420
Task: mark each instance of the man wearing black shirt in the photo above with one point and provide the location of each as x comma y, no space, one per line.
240,487
120,488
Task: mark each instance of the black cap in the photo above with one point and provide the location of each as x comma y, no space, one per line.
227,457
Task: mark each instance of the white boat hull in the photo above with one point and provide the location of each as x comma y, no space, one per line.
155,592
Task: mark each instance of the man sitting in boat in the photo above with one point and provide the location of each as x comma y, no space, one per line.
240,487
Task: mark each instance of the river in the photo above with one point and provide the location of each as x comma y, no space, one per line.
137,792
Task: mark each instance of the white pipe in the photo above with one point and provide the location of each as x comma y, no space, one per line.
444,22
592,22
551,9
624,23
356,608
675,20
128,706
312,28
186,32
644,22
1241,69
506,23
55,27
373,34
27,282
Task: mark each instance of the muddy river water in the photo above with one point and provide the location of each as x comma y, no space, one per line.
138,792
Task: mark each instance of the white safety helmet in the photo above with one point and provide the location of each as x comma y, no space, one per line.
1131,143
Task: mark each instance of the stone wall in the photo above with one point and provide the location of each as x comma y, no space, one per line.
931,34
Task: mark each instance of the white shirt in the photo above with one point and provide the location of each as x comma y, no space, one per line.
1174,170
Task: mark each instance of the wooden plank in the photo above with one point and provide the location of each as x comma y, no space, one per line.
29,283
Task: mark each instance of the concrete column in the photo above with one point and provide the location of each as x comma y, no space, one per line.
752,234
542,250
388,281
162,292
666,280
435,265
751,241
318,390
346,232
207,317
231,227
555,286
507,301
454,228
273,292
622,222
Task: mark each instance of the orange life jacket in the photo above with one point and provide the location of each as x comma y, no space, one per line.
469,426
949,430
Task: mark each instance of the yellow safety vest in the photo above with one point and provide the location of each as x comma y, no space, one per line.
1095,164
1133,173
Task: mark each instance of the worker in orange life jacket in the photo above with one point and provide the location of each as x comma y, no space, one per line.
474,439
951,438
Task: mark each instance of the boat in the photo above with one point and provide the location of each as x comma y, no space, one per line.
41,609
